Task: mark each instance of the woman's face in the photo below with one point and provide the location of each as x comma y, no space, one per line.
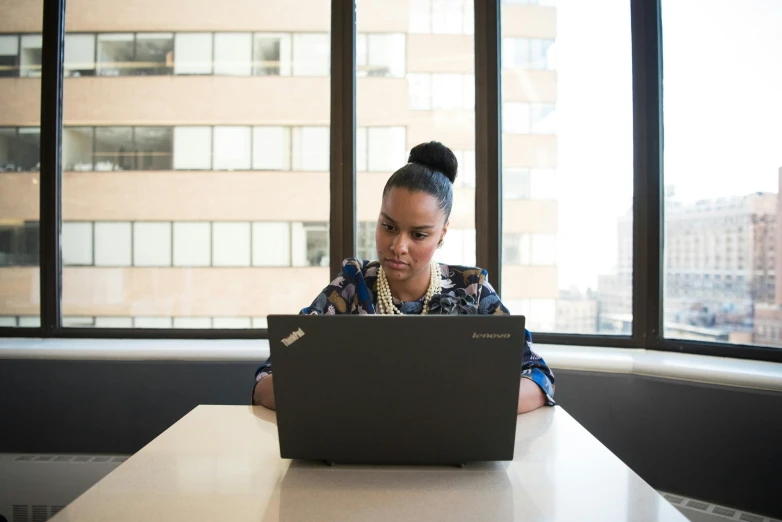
410,226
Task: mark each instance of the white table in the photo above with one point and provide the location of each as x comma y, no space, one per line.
222,463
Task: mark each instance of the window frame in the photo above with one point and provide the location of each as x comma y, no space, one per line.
648,201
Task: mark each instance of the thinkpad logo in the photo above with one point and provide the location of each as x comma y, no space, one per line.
293,337
477,335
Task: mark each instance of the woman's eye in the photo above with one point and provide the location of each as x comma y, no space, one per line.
388,227
418,235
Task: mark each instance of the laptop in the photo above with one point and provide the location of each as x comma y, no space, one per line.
372,389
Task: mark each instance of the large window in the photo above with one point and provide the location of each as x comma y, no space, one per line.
722,172
432,97
192,201
567,166
20,71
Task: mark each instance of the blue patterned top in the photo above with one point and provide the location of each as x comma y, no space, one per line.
465,290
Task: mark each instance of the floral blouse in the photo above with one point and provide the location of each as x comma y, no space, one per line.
465,290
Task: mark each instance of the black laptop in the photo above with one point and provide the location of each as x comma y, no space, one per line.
396,390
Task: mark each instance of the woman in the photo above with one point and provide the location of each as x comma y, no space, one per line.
413,223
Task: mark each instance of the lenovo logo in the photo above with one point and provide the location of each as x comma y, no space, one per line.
477,335
293,337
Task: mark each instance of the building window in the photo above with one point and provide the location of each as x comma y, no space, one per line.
79,55
528,53
193,53
28,151
152,148
366,240
77,243
310,244
516,249
31,57
271,148
115,54
526,118
152,244
154,54
19,243
441,91
231,244
192,148
192,244
380,55
233,54
386,148
9,52
311,148
113,149
271,54
112,243
77,149
442,16
516,184
311,54
19,149
192,322
232,148
271,244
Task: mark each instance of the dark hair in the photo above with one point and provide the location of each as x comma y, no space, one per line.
431,168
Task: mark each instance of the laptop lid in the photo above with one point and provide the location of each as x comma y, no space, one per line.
397,390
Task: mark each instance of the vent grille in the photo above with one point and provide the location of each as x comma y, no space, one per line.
40,513
21,513
715,512
724,511
698,505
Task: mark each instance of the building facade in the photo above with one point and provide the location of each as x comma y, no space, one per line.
196,151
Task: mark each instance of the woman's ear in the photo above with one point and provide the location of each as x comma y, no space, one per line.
445,231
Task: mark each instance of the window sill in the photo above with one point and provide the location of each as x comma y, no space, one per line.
668,365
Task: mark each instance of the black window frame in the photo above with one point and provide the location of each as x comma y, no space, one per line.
648,194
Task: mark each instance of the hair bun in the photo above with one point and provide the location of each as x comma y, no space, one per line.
437,157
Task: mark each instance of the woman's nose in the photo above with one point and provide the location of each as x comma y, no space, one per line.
399,246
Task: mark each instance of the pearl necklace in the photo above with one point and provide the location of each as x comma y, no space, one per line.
385,301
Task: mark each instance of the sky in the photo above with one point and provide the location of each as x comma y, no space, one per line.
722,114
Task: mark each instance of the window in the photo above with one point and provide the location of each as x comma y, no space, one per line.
28,149
19,149
442,16
380,55
231,244
310,244
77,243
77,149
154,54
311,54
311,148
112,244
114,149
271,244
193,53
565,198
271,148
386,148
192,244
115,54
152,245
233,54
31,57
19,244
79,55
9,51
528,53
20,55
192,148
183,176
436,102
272,54
730,219
232,148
